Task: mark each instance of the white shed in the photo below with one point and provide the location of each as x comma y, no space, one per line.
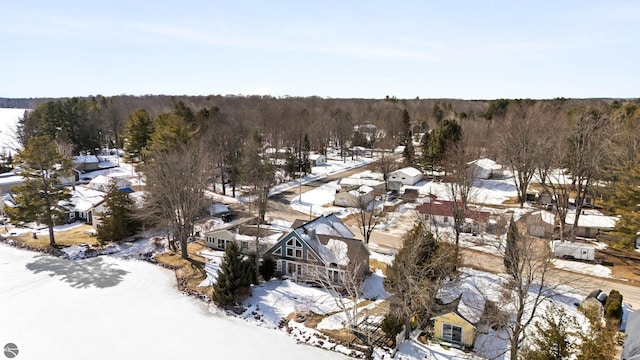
485,168
101,183
407,176
317,159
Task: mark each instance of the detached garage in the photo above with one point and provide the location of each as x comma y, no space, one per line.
406,176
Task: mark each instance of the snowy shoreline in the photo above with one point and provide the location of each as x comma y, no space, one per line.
76,309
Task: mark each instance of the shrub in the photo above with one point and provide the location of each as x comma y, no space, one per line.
391,325
268,267
613,306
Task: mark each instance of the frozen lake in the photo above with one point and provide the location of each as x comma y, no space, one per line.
108,308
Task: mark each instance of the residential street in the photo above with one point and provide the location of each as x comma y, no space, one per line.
630,289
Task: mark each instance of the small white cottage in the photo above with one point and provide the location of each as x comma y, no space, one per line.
406,176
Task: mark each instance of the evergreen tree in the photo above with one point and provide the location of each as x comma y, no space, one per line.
511,253
40,198
268,267
553,336
409,154
137,133
613,307
624,200
416,273
599,342
234,276
445,136
406,128
117,222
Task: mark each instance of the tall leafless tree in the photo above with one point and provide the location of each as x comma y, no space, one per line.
459,185
521,141
526,286
588,140
175,192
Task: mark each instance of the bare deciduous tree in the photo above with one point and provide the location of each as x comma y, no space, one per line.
588,141
527,286
459,185
175,191
344,286
365,217
521,141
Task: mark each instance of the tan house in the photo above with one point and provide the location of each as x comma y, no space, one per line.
541,224
590,223
440,213
354,198
462,312
243,232
453,328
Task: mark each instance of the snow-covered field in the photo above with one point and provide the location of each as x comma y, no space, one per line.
8,122
108,308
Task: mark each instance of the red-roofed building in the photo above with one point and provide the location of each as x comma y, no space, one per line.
440,213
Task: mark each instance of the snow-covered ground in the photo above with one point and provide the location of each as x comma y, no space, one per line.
109,308
8,121
492,192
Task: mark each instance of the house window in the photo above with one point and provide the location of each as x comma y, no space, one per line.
334,275
452,333
279,265
221,243
278,251
294,249
244,245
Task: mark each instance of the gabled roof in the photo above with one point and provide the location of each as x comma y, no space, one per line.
325,225
631,348
465,300
410,171
230,225
445,208
486,164
592,221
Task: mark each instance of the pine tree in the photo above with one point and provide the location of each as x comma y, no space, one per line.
511,254
599,342
624,200
137,133
416,273
553,336
40,198
234,276
117,222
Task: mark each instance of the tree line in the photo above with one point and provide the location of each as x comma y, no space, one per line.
594,141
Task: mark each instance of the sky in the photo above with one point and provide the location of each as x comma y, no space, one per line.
332,49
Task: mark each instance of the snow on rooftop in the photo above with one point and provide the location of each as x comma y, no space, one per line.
592,221
410,171
327,225
335,252
487,164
